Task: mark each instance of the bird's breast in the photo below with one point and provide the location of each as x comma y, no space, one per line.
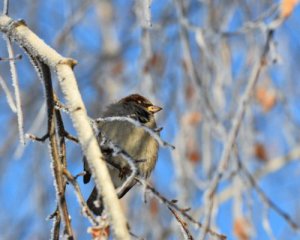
135,141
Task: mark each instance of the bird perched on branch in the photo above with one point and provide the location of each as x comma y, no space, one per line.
122,142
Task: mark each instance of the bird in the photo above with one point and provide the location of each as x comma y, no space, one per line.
133,140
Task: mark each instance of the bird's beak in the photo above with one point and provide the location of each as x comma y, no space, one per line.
154,109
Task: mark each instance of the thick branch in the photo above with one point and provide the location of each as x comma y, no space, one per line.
19,32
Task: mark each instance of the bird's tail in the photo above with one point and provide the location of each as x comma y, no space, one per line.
95,202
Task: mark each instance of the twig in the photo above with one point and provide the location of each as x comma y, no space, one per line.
271,166
135,236
245,28
56,224
173,205
70,137
36,138
82,202
15,81
131,162
17,57
74,19
266,223
152,132
81,174
8,95
265,198
183,225
61,106
5,7
57,149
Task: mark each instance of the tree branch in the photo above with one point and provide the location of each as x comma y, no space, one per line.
19,32
57,149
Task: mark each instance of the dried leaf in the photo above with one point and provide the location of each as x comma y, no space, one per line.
154,207
266,98
241,229
99,233
194,156
192,118
260,152
287,7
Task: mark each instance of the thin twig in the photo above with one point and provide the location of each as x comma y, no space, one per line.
8,95
183,225
116,150
82,202
61,106
15,81
56,224
81,174
73,19
57,150
173,205
265,198
36,138
17,57
71,137
152,132
5,7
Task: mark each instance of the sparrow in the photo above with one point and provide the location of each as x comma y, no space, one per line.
134,141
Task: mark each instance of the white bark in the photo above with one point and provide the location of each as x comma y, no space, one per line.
63,67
